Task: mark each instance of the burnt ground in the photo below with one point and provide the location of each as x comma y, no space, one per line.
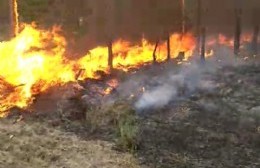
208,128
211,129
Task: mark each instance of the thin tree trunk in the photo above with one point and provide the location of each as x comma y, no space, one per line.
203,44
110,54
255,40
183,17
168,47
237,31
154,51
198,24
13,18
80,73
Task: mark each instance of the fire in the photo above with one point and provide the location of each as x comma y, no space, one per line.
229,41
113,83
108,90
210,53
31,63
132,56
35,60
247,38
181,43
223,40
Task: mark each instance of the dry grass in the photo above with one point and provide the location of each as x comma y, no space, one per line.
36,144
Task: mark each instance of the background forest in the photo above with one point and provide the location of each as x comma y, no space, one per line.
99,19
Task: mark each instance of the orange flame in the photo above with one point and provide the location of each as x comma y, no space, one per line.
229,41
127,56
223,40
31,63
35,60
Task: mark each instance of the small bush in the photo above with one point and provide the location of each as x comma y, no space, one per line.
128,131
120,118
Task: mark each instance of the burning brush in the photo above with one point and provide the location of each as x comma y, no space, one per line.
30,62
35,60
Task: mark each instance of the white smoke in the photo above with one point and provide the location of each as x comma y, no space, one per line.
157,98
189,78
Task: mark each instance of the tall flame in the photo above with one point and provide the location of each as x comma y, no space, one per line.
31,63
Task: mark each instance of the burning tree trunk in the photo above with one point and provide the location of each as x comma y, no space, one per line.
154,51
203,42
110,54
238,13
13,18
255,40
80,73
168,46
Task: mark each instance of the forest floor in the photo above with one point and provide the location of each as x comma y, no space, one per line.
215,129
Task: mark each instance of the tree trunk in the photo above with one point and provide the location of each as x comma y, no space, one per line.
183,17
154,51
198,24
13,18
203,43
110,54
168,47
255,40
238,13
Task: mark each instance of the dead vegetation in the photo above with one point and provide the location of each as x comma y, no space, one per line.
38,144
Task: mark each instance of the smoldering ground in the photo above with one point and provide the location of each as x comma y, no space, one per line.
163,84
174,86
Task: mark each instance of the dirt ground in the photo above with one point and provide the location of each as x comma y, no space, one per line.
213,129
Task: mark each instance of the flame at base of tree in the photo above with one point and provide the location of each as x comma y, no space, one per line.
128,56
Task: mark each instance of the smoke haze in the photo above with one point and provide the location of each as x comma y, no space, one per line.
184,82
